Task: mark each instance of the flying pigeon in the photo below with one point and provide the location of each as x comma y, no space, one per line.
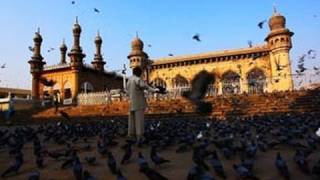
196,37
260,24
96,10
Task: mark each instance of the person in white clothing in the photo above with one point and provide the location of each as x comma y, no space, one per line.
137,103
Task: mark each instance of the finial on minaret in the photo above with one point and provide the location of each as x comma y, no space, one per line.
38,30
63,41
275,8
77,20
137,35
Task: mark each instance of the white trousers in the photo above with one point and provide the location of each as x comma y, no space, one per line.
136,123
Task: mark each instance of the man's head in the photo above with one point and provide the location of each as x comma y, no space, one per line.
137,71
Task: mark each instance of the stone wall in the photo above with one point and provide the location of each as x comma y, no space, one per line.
223,106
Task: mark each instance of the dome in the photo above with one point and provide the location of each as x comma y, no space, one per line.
37,37
76,29
63,47
98,39
137,43
277,21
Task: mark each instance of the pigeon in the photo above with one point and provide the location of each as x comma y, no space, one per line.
112,164
318,132
301,68
91,160
282,166
170,54
65,115
198,173
127,155
50,49
196,37
199,86
96,10
87,175
34,176
302,58
73,2
3,66
152,174
149,45
301,161
156,159
243,172
261,23
16,166
316,169
278,65
31,48
311,54
120,175
250,43
47,82
39,161
142,162
217,165
77,170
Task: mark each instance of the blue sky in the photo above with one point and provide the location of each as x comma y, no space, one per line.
167,25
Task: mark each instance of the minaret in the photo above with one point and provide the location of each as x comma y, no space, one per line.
63,50
98,62
137,56
36,65
76,55
76,59
279,43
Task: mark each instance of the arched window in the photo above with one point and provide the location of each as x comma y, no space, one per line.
159,82
256,81
179,81
213,88
67,90
230,83
86,87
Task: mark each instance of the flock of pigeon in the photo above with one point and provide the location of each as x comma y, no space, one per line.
193,148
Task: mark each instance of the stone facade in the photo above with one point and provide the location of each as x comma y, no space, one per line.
261,68
73,77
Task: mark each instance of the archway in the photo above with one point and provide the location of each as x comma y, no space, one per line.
230,83
67,90
86,87
256,81
179,81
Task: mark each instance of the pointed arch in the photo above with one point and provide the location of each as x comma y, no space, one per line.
67,93
86,87
180,81
256,80
230,82
159,82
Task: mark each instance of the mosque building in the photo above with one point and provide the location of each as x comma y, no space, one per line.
70,78
262,68
256,69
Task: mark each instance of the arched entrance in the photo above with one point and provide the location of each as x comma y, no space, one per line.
86,87
67,90
180,82
256,81
230,83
